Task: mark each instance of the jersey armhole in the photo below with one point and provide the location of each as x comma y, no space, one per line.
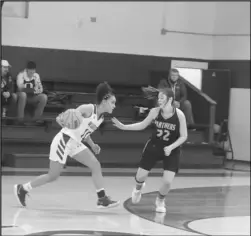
91,112
179,113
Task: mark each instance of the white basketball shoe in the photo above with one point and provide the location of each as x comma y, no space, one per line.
160,205
136,194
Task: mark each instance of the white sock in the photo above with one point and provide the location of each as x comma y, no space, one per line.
27,187
100,190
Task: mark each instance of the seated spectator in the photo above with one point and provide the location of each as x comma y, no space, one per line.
30,91
8,97
180,94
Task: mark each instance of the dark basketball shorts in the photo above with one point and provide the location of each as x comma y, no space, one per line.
154,153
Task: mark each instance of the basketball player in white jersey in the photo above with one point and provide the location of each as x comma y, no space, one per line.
70,142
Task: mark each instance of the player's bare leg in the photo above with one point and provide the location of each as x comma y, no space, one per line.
21,190
87,158
168,177
140,179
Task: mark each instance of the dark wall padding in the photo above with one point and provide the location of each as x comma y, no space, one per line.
94,67
86,66
240,71
216,84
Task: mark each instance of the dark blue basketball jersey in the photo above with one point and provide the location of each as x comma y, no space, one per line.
166,131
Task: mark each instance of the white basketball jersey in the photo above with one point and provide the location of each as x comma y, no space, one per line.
87,126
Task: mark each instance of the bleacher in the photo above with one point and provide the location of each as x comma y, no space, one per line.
28,146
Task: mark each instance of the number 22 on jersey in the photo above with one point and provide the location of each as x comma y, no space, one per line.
163,133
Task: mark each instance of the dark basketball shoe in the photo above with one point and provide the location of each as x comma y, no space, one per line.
20,194
106,202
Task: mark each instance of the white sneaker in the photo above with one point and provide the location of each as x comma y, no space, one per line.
136,194
159,218
160,205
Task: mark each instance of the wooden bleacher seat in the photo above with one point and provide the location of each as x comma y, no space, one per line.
129,98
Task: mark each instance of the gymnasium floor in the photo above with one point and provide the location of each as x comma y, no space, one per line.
201,205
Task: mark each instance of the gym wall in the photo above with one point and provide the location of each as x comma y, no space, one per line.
122,42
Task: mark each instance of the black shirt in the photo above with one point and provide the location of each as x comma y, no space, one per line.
166,131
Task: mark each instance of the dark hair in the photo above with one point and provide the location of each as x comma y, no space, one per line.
152,93
103,92
31,65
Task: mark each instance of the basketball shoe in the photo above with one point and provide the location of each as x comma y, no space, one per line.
160,205
20,194
106,202
136,194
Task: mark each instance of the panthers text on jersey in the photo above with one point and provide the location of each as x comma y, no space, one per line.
166,131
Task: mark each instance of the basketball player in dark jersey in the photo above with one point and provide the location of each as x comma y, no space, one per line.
169,133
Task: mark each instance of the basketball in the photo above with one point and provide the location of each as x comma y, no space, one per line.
72,119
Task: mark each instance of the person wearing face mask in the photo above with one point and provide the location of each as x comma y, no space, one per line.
72,142
169,133
180,94
30,90
8,97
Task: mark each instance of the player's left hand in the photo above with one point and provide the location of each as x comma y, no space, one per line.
168,150
96,149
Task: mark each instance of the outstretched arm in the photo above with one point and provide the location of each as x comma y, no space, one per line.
140,125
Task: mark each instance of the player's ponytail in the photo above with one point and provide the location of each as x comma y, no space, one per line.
150,92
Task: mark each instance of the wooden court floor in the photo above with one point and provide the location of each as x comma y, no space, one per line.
195,206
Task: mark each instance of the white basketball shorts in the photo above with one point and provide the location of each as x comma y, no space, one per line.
63,146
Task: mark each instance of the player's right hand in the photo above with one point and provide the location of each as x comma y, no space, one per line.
168,150
60,120
117,123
